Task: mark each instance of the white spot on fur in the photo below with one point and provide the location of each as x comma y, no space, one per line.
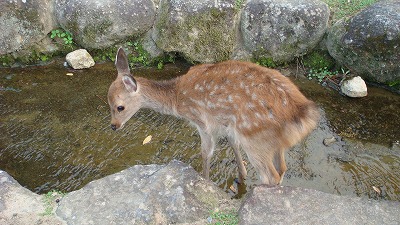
270,114
230,99
250,105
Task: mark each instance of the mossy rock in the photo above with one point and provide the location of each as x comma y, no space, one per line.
283,30
367,44
23,24
109,23
201,31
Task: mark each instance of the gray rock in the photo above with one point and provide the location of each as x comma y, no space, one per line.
369,43
100,24
24,23
354,87
19,206
281,29
80,59
291,205
151,194
150,46
203,31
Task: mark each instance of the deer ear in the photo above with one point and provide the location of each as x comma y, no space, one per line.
130,83
121,62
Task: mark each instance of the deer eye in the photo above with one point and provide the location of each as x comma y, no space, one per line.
120,108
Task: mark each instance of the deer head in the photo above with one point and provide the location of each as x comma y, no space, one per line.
124,95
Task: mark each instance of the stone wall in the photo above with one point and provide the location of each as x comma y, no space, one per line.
207,31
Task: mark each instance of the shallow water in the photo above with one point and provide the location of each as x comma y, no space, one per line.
55,134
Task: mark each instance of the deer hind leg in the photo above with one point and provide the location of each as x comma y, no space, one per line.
262,159
236,149
207,150
280,164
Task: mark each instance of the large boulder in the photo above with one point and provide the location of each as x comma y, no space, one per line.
202,30
282,30
369,43
293,205
100,24
24,23
152,194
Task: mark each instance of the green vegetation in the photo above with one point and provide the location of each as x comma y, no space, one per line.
267,62
239,4
63,35
394,83
50,199
140,55
320,65
344,8
320,74
7,60
101,55
224,218
319,60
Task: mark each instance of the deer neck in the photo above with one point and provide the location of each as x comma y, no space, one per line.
159,96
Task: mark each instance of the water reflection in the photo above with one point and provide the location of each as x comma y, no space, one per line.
55,134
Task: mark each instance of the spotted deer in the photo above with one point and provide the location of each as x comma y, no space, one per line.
258,109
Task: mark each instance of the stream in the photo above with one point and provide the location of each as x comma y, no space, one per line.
55,134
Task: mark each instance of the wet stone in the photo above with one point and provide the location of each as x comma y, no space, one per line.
80,59
354,87
293,205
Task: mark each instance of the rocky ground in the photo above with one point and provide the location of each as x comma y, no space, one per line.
176,194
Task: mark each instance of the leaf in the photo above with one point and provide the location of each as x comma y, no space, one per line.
147,139
376,189
233,189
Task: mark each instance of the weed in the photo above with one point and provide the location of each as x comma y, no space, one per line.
266,62
101,55
343,8
224,218
141,56
320,74
49,199
318,60
394,83
238,4
63,35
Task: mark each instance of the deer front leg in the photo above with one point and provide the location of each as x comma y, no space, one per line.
239,161
207,150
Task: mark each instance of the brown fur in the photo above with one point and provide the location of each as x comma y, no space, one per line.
257,108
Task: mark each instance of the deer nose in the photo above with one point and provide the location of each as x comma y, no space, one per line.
113,127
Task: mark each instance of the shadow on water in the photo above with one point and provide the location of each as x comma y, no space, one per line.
55,134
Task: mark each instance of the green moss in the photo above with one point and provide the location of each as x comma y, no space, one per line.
7,60
319,60
225,218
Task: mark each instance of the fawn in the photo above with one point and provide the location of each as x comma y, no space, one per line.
256,108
